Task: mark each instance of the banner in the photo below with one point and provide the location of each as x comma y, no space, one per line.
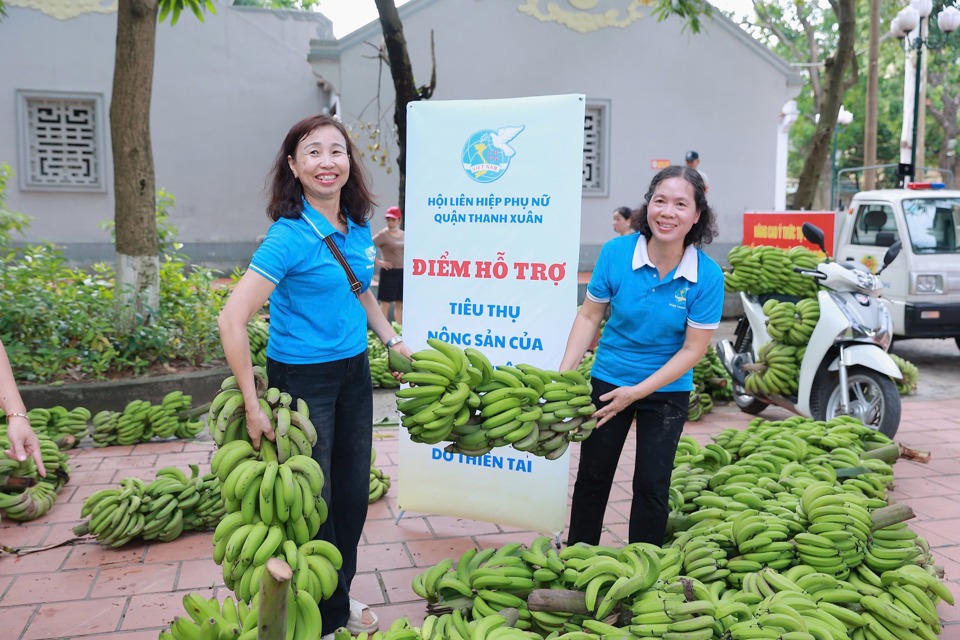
492,244
783,229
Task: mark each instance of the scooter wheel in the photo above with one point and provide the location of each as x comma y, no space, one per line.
874,399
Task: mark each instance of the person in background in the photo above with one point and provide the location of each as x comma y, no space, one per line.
621,221
23,440
389,242
693,162
665,297
317,350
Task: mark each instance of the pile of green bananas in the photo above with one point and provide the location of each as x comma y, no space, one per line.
765,269
778,543
142,421
162,509
208,619
24,494
258,331
491,580
60,424
911,375
379,481
289,417
461,398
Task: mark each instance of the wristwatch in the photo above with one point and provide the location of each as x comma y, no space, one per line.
394,340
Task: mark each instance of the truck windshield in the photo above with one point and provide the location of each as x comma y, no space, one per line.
933,224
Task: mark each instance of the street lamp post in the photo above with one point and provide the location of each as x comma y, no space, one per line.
844,118
911,18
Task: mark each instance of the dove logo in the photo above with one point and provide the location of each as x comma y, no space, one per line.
487,153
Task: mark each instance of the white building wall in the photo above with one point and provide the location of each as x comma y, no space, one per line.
227,90
718,92
225,93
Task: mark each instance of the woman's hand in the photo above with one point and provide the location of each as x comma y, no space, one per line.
386,264
24,443
404,350
259,425
617,400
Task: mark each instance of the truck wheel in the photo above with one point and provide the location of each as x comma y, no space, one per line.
874,399
744,401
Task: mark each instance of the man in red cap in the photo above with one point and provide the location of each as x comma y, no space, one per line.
389,243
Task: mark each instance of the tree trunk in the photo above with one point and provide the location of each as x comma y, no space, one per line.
403,82
947,118
870,117
836,84
138,261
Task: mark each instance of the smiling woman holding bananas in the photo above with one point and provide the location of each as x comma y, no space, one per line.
665,298
315,265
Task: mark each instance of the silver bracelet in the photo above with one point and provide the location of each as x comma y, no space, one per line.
17,414
394,340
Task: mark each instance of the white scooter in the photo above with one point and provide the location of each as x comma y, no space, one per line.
845,369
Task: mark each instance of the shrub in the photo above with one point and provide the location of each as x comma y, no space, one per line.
57,321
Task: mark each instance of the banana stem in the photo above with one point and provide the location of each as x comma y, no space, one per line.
559,600
272,616
195,412
888,453
891,514
82,529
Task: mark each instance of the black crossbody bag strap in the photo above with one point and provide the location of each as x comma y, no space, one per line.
354,283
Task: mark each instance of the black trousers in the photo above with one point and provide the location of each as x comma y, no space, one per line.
660,418
340,397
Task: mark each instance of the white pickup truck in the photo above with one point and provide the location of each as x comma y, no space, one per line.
922,286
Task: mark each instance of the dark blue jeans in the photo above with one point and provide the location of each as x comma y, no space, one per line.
660,419
340,397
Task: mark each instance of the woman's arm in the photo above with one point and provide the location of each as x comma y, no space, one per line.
695,345
582,333
248,297
23,440
379,324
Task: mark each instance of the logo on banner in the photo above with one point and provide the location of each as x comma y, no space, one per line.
487,153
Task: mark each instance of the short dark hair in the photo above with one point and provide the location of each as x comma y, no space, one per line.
705,229
286,192
624,212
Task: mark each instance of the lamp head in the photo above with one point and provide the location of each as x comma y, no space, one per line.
844,117
909,19
948,20
923,7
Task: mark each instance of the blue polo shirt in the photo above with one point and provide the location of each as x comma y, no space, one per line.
649,316
314,317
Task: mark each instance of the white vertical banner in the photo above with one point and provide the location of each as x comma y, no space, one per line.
492,247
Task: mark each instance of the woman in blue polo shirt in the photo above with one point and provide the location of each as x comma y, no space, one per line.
317,349
665,296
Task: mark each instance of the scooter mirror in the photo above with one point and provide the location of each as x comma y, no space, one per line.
814,234
891,255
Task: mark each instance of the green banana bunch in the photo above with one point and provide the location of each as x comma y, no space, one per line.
59,423
711,378
162,509
379,481
258,332
911,375
26,495
294,433
377,353
764,269
461,398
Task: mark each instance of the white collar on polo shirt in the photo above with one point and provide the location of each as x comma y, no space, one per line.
686,269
